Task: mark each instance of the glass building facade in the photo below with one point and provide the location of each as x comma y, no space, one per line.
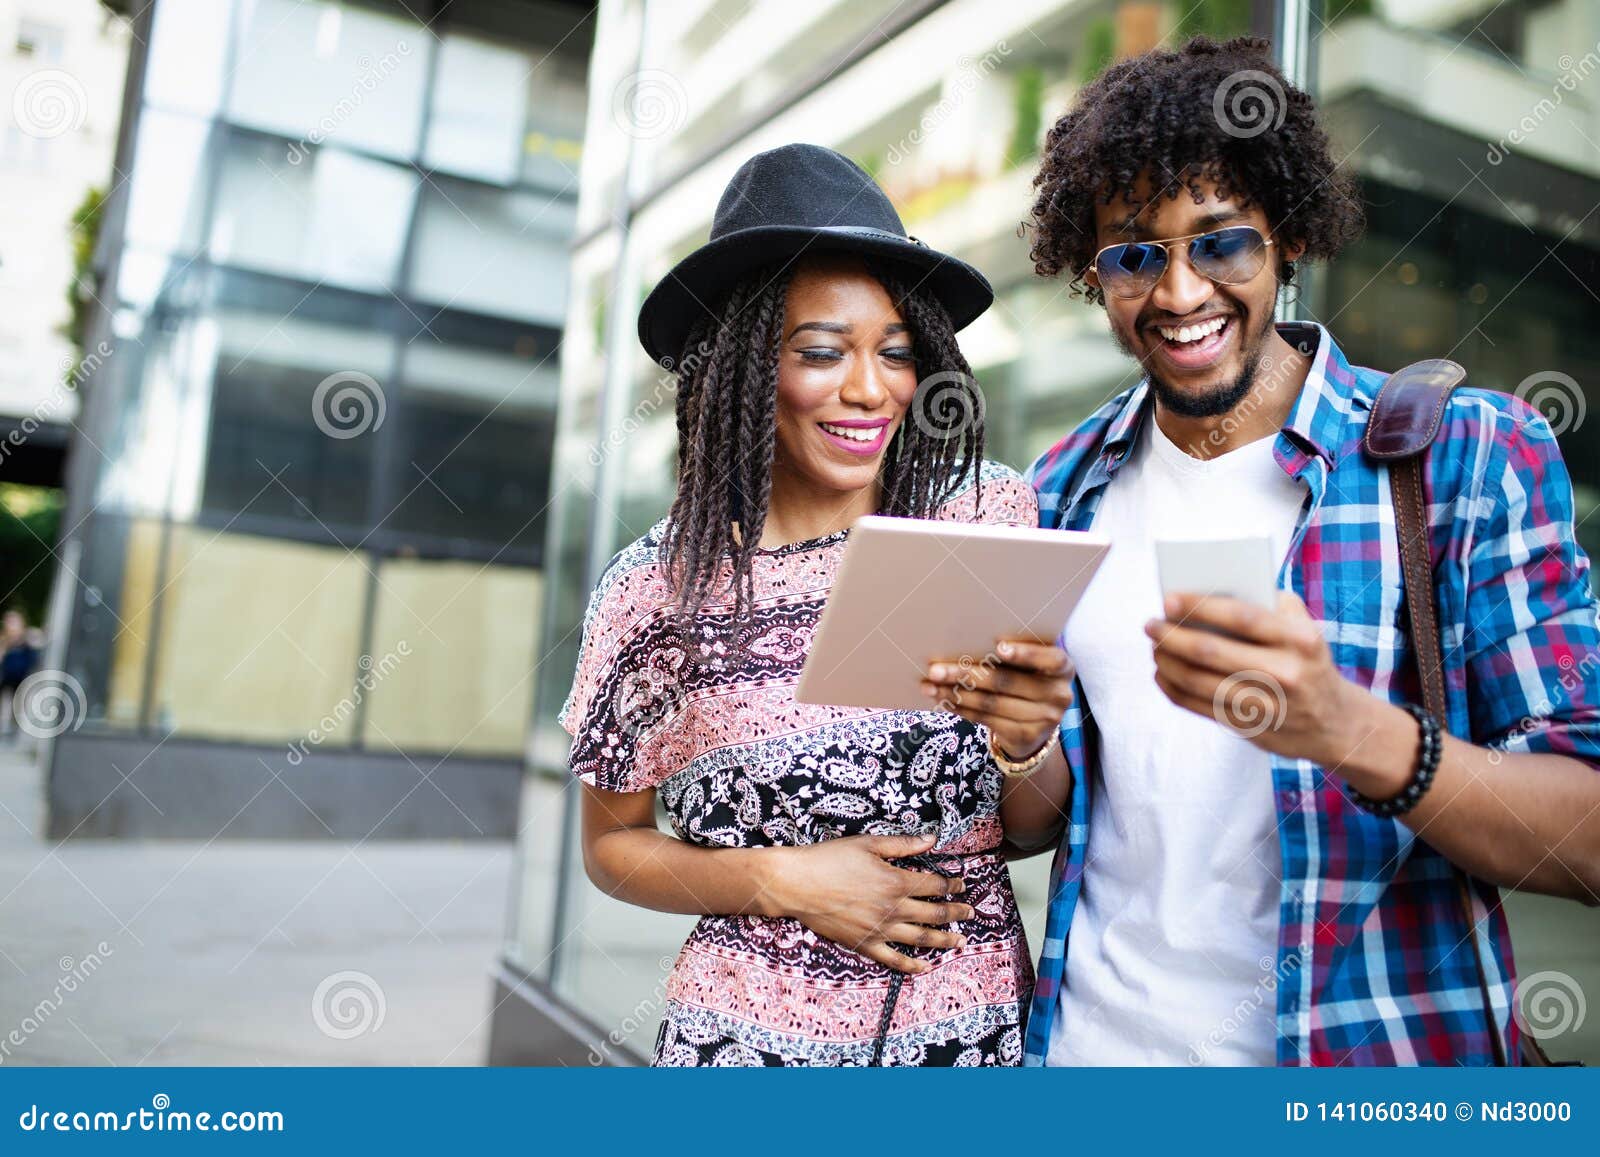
1472,125
308,496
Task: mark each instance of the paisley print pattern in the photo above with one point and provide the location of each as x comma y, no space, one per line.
714,729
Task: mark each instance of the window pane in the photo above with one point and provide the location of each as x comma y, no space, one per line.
283,444
452,657
320,215
329,72
498,252
478,101
223,658
475,444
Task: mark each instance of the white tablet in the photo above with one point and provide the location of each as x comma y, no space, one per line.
912,590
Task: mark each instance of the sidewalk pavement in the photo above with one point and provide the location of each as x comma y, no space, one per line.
241,952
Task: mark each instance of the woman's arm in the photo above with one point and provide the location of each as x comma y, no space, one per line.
1019,692
1033,808
843,889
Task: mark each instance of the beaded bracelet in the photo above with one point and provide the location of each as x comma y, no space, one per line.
1018,769
1421,779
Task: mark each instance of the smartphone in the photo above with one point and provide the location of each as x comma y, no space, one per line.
1241,568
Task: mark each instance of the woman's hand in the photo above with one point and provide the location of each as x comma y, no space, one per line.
1020,692
846,890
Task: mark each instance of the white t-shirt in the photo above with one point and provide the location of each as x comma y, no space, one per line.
1173,945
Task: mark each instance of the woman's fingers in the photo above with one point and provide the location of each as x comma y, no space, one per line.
950,679
932,884
992,705
896,847
1046,658
899,961
919,936
924,912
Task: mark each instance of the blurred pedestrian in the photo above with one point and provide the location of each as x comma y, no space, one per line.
20,647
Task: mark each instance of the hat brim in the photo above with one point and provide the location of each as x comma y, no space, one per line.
699,282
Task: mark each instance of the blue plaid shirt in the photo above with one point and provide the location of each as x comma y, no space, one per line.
1375,961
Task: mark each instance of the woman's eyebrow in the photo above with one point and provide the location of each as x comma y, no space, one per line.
821,326
893,327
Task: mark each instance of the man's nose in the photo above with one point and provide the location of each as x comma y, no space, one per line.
1182,289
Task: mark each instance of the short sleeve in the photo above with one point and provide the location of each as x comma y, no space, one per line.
998,496
625,685
1531,616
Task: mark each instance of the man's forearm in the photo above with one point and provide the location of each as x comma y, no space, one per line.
1526,821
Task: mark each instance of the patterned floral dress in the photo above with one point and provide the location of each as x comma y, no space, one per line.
738,763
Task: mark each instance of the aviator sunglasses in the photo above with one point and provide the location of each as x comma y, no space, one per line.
1228,256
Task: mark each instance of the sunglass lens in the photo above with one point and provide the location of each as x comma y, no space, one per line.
1231,256
1131,270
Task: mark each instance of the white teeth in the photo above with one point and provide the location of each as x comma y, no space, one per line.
854,433
1188,333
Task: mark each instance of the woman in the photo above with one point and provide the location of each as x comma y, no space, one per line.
846,862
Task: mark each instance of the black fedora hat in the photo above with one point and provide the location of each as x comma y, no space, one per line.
781,204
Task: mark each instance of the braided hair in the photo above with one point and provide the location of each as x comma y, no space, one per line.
727,404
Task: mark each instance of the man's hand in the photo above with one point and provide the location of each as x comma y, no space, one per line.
1019,693
1274,682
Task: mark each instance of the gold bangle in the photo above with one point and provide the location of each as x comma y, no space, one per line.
1015,769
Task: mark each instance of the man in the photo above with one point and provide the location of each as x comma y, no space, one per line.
1229,887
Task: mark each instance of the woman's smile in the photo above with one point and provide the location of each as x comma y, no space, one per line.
864,437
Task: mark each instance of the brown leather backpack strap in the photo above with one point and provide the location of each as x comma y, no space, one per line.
1405,420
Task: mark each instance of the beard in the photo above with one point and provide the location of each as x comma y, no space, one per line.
1220,399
